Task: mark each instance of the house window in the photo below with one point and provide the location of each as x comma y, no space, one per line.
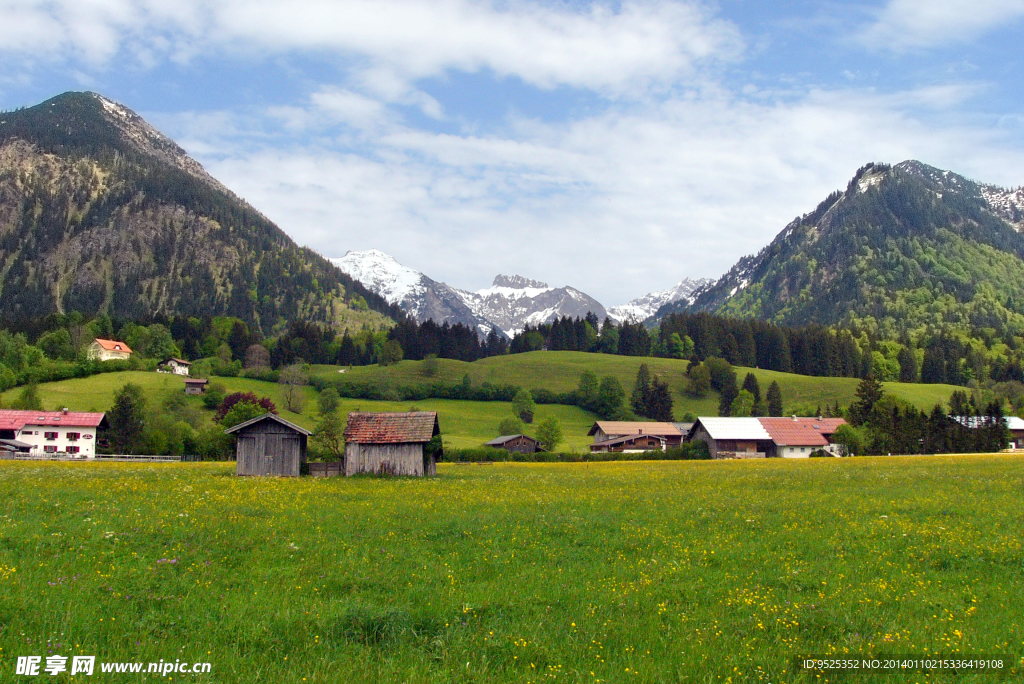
802,449
27,432
51,435
73,449
73,436
50,449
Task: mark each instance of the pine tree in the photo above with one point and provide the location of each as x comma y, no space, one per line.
641,389
729,392
774,399
869,391
659,401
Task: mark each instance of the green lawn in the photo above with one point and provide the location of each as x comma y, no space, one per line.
663,572
560,372
463,423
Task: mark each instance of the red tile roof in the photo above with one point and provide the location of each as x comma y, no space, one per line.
391,428
801,431
113,345
16,420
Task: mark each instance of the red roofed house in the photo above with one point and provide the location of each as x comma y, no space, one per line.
108,350
392,443
798,437
50,432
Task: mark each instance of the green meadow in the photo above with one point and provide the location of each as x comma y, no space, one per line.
464,424
650,572
560,372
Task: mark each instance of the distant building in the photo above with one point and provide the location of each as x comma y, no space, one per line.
176,366
108,350
630,444
269,445
766,437
51,432
196,385
607,432
391,443
521,444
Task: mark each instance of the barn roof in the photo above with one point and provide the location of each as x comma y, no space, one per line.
267,416
622,427
16,420
113,345
733,428
625,439
801,431
504,439
391,428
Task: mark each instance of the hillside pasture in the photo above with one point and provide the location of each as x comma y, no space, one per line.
464,424
620,572
560,372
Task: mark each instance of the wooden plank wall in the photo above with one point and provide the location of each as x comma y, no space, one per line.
269,448
387,459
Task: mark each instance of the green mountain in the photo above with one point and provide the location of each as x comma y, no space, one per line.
905,248
100,213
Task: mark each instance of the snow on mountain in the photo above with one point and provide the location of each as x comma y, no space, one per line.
642,308
513,302
1006,204
417,295
509,305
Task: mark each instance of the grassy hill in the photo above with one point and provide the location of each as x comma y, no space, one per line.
463,423
559,371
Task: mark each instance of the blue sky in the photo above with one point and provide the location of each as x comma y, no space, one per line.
613,146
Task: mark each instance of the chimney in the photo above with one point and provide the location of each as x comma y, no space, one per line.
794,417
64,410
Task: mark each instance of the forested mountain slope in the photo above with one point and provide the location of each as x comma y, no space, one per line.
100,213
907,248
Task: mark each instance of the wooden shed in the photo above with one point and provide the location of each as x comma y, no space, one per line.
269,445
391,443
522,444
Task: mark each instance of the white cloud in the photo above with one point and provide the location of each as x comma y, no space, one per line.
597,47
653,193
913,24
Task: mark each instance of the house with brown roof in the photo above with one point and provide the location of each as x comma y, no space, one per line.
172,365
630,444
108,350
392,443
606,432
520,444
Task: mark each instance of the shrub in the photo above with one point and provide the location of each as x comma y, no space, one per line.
237,397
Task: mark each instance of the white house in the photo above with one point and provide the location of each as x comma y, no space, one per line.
176,366
51,432
108,350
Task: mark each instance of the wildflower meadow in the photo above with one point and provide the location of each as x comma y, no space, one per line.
604,572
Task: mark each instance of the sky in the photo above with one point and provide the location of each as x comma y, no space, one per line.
617,147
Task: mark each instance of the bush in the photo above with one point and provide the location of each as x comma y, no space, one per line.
229,401
820,453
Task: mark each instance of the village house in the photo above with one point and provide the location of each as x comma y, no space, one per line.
520,444
391,443
269,445
196,385
176,366
766,437
607,432
51,432
630,444
108,350
799,437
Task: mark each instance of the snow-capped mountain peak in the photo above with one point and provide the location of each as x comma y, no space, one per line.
382,274
642,308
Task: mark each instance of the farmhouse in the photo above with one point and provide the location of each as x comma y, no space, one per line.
196,385
392,443
608,430
798,437
176,366
108,350
732,437
520,444
630,444
269,445
51,432
766,437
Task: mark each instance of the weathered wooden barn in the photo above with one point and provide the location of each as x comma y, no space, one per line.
392,443
520,444
269,445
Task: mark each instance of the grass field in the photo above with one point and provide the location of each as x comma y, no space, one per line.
463,423
624,572
560,372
